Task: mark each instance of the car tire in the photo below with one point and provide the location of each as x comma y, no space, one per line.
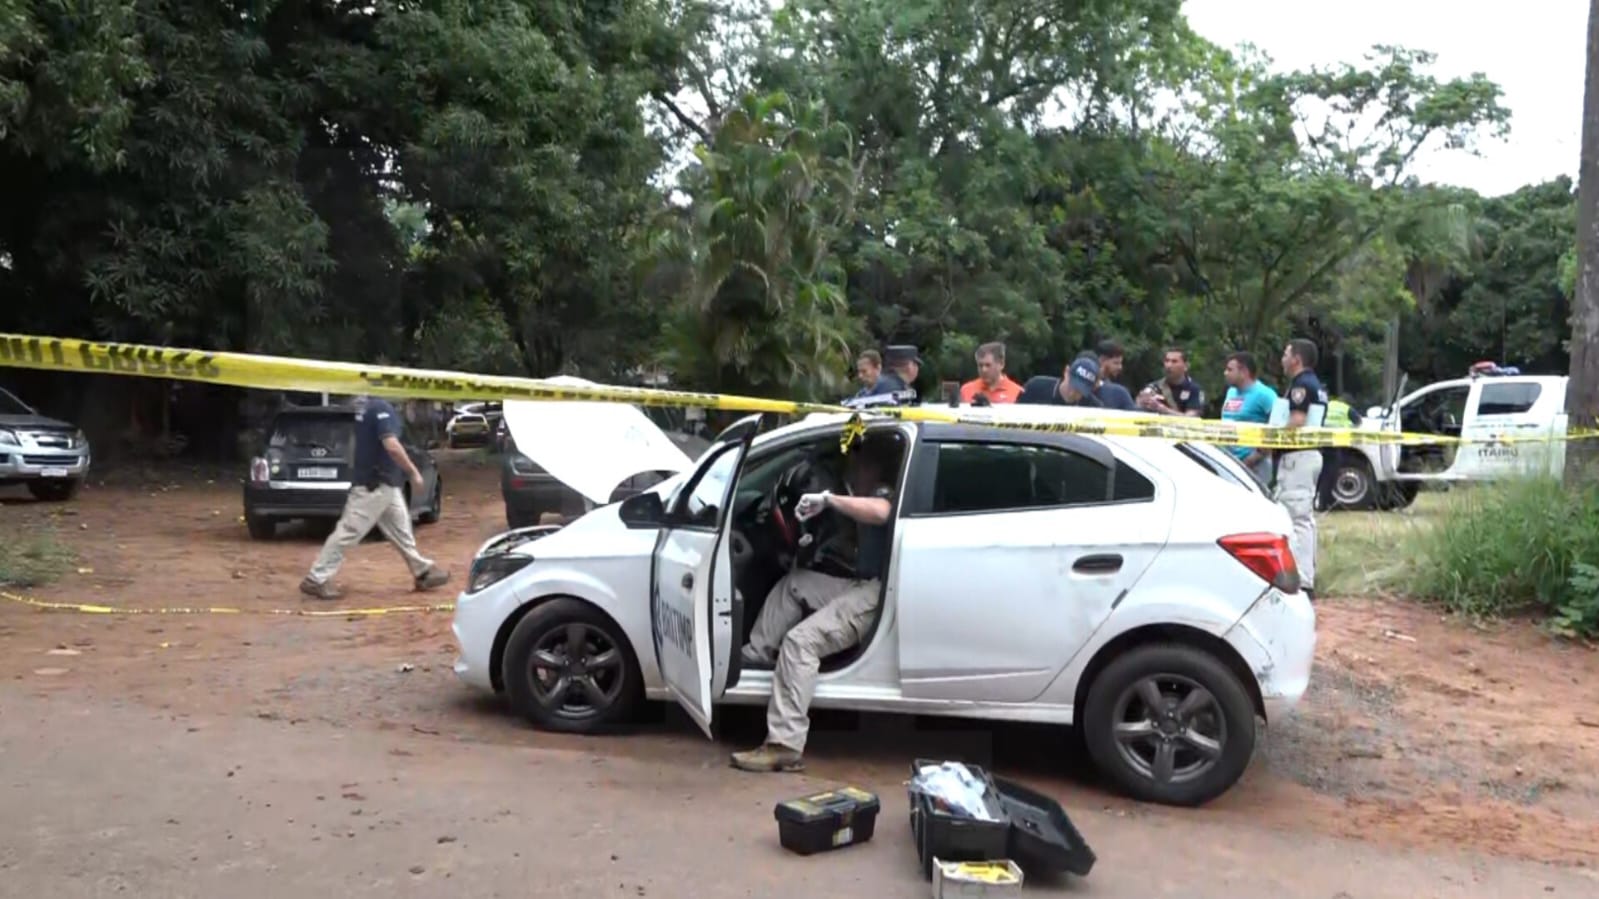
54,491
1351,486
260,528
435,509
1127,744
547,633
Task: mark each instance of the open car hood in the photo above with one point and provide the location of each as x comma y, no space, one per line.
591,447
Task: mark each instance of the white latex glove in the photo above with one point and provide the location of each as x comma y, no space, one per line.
811,505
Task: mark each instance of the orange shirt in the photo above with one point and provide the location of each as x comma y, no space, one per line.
1006,391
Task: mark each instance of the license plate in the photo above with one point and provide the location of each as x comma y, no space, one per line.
54,472
319,474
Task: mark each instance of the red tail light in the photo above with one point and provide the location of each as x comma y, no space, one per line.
1267,555
259,473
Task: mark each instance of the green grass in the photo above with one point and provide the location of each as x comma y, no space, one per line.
34,559
1526,547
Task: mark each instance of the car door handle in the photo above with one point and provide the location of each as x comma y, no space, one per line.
1102,564
688,581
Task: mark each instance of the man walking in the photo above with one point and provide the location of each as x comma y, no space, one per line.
1299,470
991,383
376,499
1248,400
1177,393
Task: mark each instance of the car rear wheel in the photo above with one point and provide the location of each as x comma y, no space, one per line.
435,509
261,528
1171,724
54,491
1352,485
568,668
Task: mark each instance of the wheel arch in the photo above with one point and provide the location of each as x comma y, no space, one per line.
1167,633
502,637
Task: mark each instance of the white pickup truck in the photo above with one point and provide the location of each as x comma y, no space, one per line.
1485,408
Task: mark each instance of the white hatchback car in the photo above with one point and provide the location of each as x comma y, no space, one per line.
1140,589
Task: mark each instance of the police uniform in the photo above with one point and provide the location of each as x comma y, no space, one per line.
1299,471
1184,396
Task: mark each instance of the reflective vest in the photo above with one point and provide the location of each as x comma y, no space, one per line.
1337,415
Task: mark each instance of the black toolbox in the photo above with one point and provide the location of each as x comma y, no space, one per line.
1041,834
956,838
824,821
1032,829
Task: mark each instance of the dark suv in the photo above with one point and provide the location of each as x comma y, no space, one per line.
305,472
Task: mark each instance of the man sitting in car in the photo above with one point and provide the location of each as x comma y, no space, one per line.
819,609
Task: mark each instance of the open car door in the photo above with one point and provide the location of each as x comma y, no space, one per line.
691,592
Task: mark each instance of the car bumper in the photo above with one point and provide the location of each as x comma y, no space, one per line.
18,464
477,622
295,502
1277,639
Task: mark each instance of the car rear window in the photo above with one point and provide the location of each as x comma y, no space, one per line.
1218,467
335,434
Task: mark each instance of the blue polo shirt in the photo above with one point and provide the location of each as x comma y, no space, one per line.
373,464
1252,404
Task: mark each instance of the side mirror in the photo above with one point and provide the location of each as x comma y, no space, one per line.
643,511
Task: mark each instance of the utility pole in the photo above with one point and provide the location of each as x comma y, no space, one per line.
1582,394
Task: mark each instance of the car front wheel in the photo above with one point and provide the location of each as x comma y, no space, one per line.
568,668
1169,723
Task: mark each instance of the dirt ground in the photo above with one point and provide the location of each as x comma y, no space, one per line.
1421,733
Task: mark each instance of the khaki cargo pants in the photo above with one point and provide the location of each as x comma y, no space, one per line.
807,617
383,507
1297,476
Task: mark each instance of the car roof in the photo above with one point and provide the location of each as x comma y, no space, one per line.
976,416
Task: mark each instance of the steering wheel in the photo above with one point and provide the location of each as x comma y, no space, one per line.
739,546
780,499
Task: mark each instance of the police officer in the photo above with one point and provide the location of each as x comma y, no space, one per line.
1075,387
897,384
1298,471
382,467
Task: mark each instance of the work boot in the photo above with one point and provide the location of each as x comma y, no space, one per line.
320,591
749,655
769,757
433,577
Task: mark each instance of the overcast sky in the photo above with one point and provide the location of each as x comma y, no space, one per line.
1534,50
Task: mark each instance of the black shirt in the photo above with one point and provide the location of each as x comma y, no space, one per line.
373,464
872,543
1043,390
1184,396
1305,393
1114,396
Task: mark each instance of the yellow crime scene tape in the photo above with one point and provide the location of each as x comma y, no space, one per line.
94,609
315,376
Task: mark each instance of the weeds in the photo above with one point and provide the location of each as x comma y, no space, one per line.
33,560
1511,548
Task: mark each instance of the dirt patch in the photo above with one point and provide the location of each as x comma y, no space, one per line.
1418,731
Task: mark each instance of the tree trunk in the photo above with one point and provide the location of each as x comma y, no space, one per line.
1582,395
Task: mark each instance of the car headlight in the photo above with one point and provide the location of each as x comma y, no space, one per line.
8,437
490,570
78,439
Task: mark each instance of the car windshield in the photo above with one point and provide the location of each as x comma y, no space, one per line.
10,405
336,435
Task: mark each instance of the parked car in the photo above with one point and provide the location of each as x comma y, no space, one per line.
530,492
51,457
1142,590
473,424
1484,408
305,472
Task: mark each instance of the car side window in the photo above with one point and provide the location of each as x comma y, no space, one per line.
991,477
1508,399
700,504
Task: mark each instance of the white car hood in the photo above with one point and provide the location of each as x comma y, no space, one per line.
591,447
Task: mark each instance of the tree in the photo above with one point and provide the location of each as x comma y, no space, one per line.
763,309
1582,395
